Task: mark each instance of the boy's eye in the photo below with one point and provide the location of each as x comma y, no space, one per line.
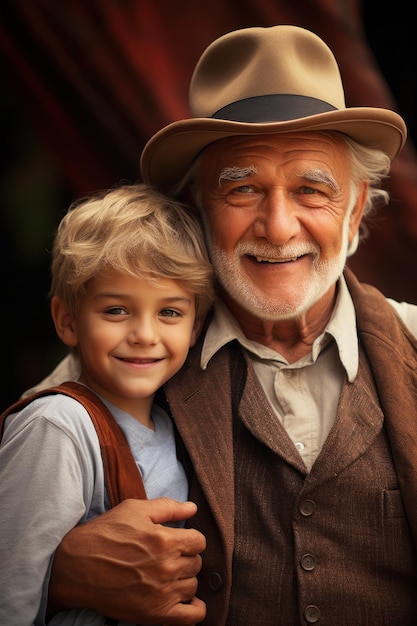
170,313
115,310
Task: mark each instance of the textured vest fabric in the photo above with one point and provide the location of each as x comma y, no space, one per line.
307,546
330,547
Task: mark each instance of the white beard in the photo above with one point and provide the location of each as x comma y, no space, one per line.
273,307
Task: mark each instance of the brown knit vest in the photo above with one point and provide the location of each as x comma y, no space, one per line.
331,547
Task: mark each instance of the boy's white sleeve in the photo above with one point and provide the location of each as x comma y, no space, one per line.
51,479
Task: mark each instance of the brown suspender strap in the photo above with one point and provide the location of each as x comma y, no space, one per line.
123,479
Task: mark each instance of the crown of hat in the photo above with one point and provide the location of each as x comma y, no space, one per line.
254,62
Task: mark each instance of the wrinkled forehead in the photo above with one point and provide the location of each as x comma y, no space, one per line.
241,152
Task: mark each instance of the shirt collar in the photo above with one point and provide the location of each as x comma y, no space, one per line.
341,328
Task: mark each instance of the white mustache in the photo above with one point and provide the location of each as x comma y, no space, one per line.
266,251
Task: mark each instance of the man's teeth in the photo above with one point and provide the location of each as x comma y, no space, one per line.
263,260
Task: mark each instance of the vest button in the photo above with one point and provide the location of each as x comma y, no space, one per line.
215,581
307,508
308,562
312,614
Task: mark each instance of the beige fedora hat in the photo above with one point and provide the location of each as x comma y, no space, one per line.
258,81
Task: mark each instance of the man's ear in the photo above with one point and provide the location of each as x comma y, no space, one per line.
356,214
198,325
64,322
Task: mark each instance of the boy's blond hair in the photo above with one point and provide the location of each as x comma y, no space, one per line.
135,230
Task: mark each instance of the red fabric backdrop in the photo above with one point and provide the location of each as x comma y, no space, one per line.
90,80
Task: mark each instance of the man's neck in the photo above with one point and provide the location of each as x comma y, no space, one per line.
292,338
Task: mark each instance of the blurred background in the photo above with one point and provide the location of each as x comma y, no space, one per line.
84,84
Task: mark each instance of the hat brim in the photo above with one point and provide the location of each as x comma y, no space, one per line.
170,152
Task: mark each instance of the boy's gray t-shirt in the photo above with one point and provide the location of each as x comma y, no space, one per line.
50,454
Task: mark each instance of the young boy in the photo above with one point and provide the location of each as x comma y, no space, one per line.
131,284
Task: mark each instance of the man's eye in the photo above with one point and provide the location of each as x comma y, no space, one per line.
243,189
242,196
308,190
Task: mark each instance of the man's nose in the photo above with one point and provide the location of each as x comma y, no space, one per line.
278,221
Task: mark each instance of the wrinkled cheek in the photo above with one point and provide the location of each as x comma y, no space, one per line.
227,232
332,257
219,243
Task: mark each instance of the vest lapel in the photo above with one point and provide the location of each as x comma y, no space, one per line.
257,415
349,438
200,402
359,420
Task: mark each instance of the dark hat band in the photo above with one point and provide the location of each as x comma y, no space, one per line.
272,108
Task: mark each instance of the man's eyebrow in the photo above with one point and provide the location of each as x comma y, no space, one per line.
320,176
236,173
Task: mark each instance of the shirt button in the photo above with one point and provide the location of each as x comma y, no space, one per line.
215,581
307,508
308,562
312,614
300,446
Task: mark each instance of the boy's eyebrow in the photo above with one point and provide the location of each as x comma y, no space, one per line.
177,298
236,173
320,176
124,296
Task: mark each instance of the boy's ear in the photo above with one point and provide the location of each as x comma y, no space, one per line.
64,322
198,325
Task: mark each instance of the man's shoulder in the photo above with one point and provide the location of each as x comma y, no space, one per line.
369,300
67,369
407,312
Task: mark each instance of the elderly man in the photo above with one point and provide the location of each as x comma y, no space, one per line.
298,406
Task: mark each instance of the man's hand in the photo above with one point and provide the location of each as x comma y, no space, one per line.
126,566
